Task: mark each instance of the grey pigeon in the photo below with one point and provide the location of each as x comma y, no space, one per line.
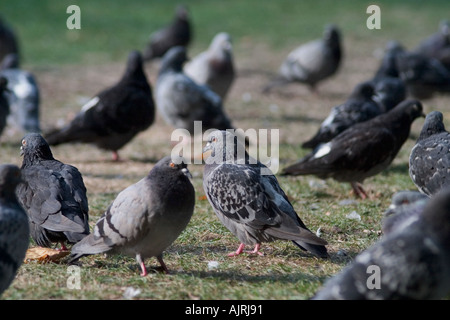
24,95
359,107
423,76
8,40
4,104
182,101
389,92
363,150
430,157
145,218
214,67
408,263
14,229
115,115
404,210
178,33
388,65
437,45
53,194
311,62
248,199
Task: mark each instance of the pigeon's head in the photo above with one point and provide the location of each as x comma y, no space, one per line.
434,123
444,27
411,107
224,146
134,61
173,164
10,61
331,35
364,90
182,12
174,59
221,42
35,147
10,177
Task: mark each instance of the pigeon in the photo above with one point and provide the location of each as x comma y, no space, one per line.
24,95
359,107
8,40
54,195
429,159
423,76
214,67
115,115
312,62
4,104
248,199
409,263
178,33
14,229
405,209
363,150
388,65
182,101
389,92
437,45
146,217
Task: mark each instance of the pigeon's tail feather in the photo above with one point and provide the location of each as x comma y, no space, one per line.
90,245
318,250
277,82
302,167
58,136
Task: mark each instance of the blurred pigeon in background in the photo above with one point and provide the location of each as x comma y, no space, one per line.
53,194
409,263
359,107
178,33
429,160
4,104
115,115
214,67
24,96
14,229
8,40
312,62
248,199
145,218
389,92
437,45
363,150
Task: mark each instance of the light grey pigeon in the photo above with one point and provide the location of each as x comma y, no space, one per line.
429,160
4,104
23,95
409,263
361,151
248,199
53,194
145,218
311,62
437,45
405,208
182,101
177,33
214,67
14,229
360,106
115,115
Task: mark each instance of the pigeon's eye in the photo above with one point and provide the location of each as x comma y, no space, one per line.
213,139
24,142
172,165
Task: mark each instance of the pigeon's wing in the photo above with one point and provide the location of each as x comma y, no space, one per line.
243,195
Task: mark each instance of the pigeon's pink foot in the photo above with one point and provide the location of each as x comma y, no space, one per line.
256,250
144,269
359,190
115,156
238,251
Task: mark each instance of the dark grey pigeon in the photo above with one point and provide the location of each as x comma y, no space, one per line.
4,104
359,107
408,263
248,199
114,116
311,62
53,194
8,40
182,101
388,65
145,218
404,210
423,76
24,95
215,66
363,150
178,33
437,45
389,92
14,229
429,159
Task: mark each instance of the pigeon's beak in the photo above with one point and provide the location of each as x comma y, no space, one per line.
207,151
186,172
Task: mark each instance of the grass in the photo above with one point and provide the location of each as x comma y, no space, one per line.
73,65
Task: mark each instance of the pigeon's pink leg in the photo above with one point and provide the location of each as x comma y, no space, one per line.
256,250
359,190
163,265
115,156
141,263
63,246
238,251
